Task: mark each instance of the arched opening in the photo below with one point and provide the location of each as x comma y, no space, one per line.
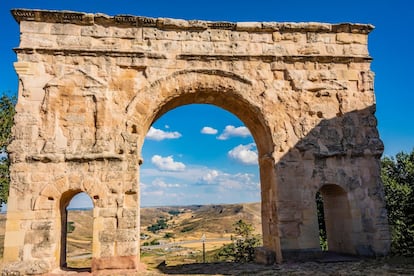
201,165
228,91
334,217
76,231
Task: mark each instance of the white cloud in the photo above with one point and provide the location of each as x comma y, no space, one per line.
158,194
231,131
158,182
245,154
200,185
199,175
158,134
241,181
210,176
167,163
209,130
226,182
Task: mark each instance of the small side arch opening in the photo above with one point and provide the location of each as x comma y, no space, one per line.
334,219
76,208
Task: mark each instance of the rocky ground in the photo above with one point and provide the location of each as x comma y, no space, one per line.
383,266
388,266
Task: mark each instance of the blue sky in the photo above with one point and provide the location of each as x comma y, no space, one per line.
218,171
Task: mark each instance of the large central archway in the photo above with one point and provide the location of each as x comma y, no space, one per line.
227,91
90,86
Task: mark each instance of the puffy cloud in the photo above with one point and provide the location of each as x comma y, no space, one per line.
226,181
158,134
209,130
210,176
245,154
167,163
198,176
199,185
232,131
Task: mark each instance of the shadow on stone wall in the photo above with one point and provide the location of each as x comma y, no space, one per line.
344,151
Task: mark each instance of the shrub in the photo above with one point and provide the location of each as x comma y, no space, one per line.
243,246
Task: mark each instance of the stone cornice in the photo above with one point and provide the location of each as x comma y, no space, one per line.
272,58
85,52
203,57
80,18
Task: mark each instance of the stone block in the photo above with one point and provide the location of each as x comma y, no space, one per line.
39,237
30,267
42,251
265,256
127,248
365,250
248,26
135,33
352,75
347,38
40,40
261,38
41,225
239,36
107,249
13,224
107,236
95,31
355,50
108,212
11,253
127,223
65,29
110,223
193,47
115,262
126,235
35,27
219,35
14,238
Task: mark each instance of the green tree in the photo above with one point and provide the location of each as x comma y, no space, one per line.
161,224
70,227
243,246
323,241
6,122
398,177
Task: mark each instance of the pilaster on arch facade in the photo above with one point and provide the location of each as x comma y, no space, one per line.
91,85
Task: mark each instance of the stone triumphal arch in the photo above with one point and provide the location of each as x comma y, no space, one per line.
91,85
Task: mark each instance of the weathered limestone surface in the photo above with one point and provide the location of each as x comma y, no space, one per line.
90,86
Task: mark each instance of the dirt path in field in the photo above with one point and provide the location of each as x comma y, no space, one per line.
78,241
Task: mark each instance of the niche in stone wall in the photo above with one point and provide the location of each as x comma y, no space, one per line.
70,111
